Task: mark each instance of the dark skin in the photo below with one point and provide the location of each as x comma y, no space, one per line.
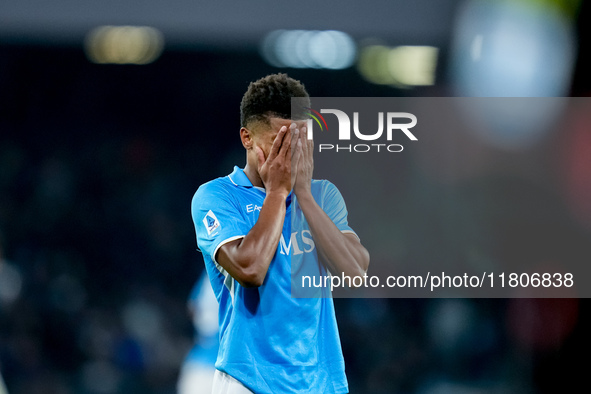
340,252
271,148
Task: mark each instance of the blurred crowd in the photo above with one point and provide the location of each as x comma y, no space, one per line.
93,276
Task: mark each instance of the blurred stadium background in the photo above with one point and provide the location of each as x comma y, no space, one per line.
112,113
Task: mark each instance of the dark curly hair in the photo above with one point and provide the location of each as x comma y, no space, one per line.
270,97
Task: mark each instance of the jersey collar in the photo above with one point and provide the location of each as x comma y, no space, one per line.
239,178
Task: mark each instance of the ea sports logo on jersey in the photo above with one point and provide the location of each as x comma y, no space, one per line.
389,125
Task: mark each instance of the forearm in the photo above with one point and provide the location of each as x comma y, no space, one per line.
339,252
260,244
248,259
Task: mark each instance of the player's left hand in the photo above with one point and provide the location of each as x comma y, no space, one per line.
305,164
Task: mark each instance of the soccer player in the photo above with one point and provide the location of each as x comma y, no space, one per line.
196,374
271,342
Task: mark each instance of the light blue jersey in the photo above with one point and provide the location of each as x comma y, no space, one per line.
270,342
197,372
203,303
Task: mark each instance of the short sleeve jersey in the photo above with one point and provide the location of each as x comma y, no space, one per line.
270,341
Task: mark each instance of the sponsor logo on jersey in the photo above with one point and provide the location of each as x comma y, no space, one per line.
301,241
252,208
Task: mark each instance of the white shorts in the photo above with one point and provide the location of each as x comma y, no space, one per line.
225,384
195,378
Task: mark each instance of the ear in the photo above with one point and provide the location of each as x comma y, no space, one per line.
246,138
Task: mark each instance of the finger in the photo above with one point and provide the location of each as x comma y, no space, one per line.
311,154
275,148
305,142
308,149
309,142
295,161
299,152
286,145
294,140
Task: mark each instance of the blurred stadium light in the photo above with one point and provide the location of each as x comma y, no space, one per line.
402,66
230,24
513,49
329,49
124,44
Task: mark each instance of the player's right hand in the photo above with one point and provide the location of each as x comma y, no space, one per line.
275,171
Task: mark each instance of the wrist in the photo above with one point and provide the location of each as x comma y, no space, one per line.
277,195
304,195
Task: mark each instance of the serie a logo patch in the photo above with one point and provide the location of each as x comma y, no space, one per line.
211,222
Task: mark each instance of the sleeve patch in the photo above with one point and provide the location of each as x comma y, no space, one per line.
211,222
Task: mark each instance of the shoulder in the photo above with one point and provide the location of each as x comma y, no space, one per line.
217,190
322,186
218,185
321,183
326,193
